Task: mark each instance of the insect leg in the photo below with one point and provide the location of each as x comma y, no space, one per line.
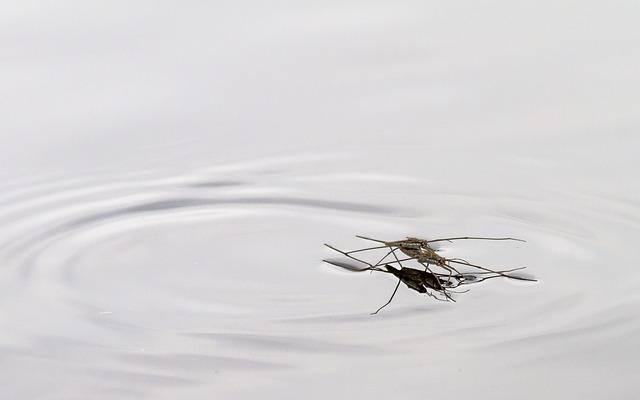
434,296
370,239
366,249
396,257
385,256
473,238
350,256
426,266
387,303
447,295
496,272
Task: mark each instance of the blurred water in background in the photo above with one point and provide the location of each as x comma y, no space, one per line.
172,169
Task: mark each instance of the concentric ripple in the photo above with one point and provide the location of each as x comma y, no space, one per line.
148,285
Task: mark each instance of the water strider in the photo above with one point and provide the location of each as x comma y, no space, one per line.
421,251
424,281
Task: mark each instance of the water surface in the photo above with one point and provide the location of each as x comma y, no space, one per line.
172,171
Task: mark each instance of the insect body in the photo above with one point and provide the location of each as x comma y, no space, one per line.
421,251
416,279
416,248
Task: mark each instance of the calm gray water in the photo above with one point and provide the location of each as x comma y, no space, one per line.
171,171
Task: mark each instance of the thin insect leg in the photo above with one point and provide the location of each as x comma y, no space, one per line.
473,265
459,259
366,249
453,269
448,295
370,268
473,238
450,273
496,272
476,276
373,240
387,303
434,296
465,262
426,266
392,251
403,260
396,257
448,268
385,256
351,257
431,294
502,271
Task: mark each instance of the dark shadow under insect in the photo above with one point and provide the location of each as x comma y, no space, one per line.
415,279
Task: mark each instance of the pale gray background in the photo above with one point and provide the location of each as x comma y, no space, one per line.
170,171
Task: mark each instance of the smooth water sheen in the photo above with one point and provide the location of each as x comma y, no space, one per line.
171,172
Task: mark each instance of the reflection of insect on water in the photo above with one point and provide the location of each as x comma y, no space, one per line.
415,279
421,251
418,280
